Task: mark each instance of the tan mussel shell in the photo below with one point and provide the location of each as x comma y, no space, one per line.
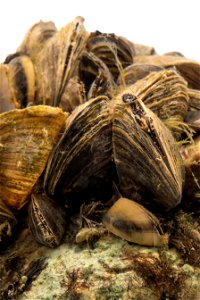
189,69
27,137
132,222
7,97
35,39
57,62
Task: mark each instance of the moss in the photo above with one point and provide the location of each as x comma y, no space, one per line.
110,292
166,281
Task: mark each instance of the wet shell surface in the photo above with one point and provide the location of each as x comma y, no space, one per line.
27,137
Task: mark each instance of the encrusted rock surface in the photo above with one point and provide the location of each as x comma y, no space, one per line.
104,268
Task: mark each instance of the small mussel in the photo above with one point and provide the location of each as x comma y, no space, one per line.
47,220
132,222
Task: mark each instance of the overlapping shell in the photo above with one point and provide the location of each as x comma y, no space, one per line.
116,140
118,93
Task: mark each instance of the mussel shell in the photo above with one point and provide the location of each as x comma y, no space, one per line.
115,51
146,157
47,220
7,98
82,158
57,62
188,69
27,138
132,222
108,140
36,37
134,72
164,92
22,79
96,76
74,95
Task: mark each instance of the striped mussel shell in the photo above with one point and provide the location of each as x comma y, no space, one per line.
35,39
57,62
46,220
188,69
95,75
115,51
120,140
21,79
164,92
27,138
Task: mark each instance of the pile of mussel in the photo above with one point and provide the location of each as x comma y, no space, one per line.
83,112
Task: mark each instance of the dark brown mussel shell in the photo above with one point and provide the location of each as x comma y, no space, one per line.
21,79
115,51
117,140
95,75
81,161
73,95
47,220
147,159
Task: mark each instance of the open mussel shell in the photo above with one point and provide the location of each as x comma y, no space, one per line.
57,62
111,139
132,222
7,221
188,69
96,76
47,220
115,51
27,138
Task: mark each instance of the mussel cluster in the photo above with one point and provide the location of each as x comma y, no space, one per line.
81,112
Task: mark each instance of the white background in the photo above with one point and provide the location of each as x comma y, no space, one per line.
172,25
